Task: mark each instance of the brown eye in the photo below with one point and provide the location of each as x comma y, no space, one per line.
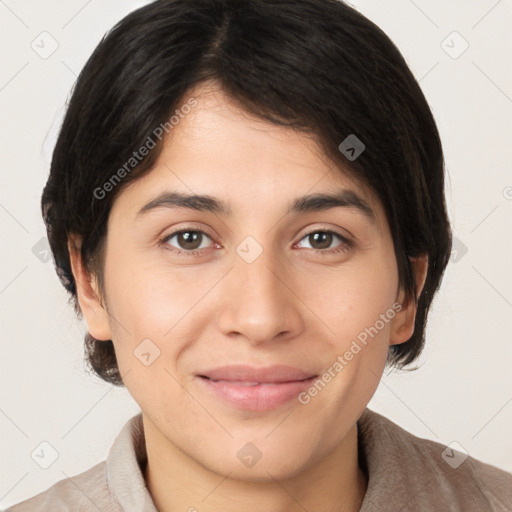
187,240
190,240
322,239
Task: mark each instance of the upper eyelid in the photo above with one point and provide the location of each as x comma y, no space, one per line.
185,229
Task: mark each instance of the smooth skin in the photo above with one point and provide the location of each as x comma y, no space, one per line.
292,305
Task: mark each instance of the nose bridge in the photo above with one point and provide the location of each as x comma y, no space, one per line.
261,277
260,305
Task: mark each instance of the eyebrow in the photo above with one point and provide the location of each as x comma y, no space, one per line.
309,203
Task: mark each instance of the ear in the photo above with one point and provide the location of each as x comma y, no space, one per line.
402,325
89,297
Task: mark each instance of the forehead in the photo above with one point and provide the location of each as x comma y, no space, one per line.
219,149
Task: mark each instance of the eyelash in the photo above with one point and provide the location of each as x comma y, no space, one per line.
345,246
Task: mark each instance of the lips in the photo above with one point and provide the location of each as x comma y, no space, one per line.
250,376
255,389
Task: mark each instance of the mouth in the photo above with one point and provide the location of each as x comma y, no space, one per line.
255,396
265,375
255,383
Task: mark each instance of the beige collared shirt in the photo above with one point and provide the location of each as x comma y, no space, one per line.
405,473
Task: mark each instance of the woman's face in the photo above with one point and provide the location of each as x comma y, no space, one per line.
248,277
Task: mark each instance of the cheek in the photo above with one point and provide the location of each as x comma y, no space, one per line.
358,315
155,310
351,297
355,303
150,299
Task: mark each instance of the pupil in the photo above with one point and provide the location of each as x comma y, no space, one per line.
188,238
322,238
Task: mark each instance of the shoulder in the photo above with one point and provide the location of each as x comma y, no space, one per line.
428,473
114,485
83,492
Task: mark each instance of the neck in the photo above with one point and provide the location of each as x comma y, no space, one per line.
335,483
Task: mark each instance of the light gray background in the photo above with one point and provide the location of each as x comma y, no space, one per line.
463,390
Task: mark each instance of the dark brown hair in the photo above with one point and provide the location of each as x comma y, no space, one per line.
314,65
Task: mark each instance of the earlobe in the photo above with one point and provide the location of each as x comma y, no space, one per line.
402,326
89,296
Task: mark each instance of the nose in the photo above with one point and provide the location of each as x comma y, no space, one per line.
259,303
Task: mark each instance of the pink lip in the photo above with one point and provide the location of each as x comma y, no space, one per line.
244,372
275,386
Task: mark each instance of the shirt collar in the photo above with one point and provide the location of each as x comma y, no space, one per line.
380,456
126,462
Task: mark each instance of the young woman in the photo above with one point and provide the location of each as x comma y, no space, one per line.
246,202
